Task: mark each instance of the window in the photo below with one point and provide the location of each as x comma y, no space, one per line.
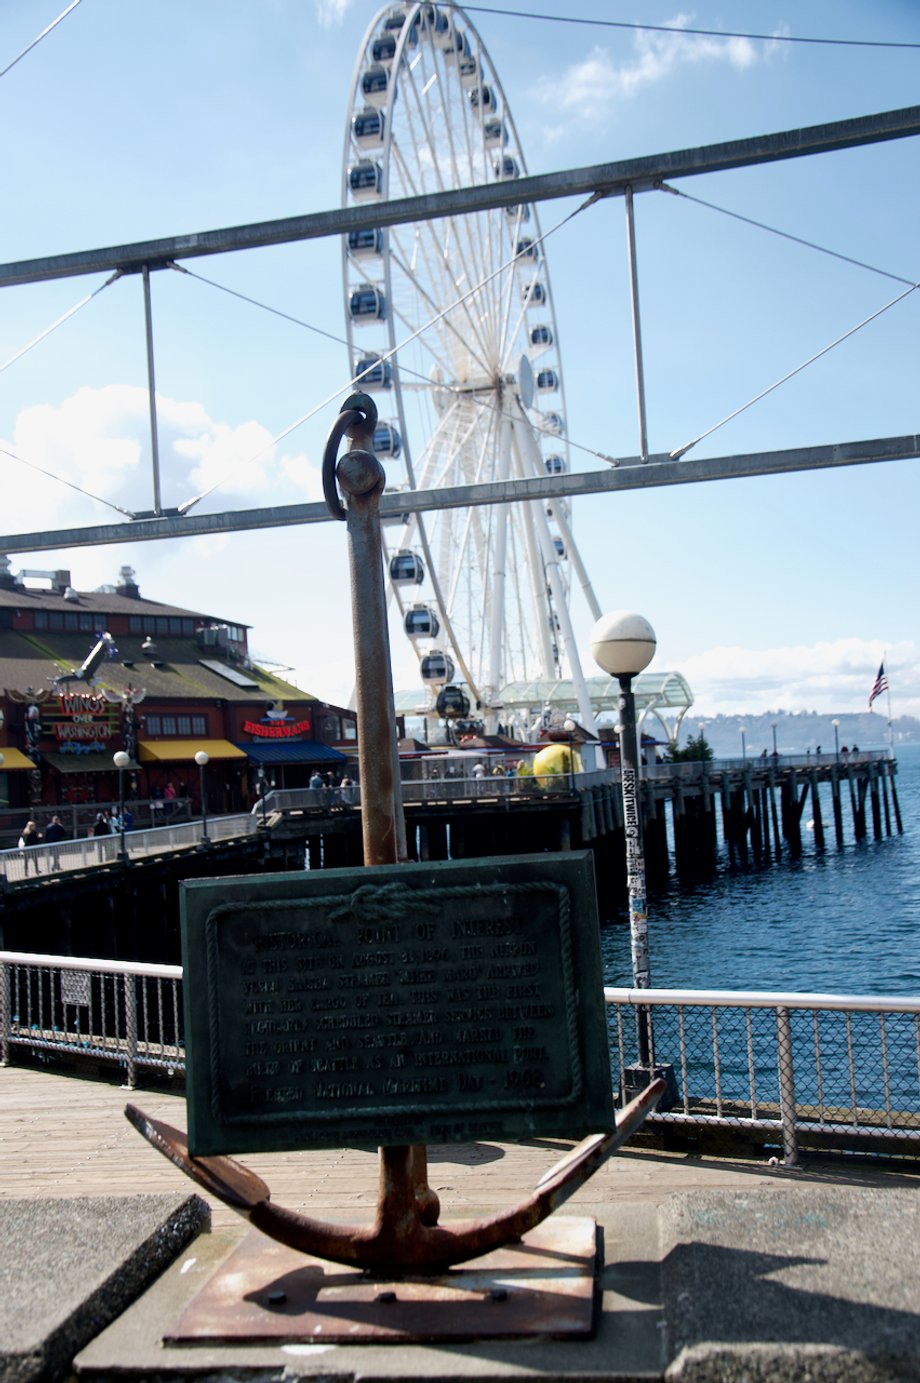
55,620
161,625
175,625
185,725
154,725
41,619
199,725
71,622
188,627
169,725
87,623
135,624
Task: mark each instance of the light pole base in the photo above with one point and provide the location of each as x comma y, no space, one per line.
637,1077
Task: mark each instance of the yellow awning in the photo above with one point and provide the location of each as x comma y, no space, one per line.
170,751
13,759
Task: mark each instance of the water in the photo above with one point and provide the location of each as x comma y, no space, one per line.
845,922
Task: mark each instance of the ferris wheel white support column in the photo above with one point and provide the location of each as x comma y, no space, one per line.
531,464
574,556
499,559
535,573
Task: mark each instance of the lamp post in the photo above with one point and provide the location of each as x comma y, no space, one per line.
773,728
702,741
201,759
836,725
121,761
742,728
568,726
623,644
261,777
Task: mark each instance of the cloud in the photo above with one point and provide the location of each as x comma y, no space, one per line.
828,677
99,441
330,13
589,88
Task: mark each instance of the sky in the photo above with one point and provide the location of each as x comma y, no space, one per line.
134,119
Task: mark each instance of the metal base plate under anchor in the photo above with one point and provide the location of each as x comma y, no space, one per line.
542,1285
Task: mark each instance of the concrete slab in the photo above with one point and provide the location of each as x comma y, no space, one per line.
627,1344
817,1282
69,1267
777,1283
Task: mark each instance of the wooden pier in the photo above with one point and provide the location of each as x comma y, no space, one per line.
698,818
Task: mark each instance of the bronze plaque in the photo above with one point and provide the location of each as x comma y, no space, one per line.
423,1003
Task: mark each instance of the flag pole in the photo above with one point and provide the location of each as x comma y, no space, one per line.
888,692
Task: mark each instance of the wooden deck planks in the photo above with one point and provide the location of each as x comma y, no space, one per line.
65,1136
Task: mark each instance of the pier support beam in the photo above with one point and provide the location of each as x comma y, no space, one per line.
838,810
816,811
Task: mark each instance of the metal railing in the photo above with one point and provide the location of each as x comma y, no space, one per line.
466,789
757,763
471,789
122,1011
785,1069
824,1069
34,861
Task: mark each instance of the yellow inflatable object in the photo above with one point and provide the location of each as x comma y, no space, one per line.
554,760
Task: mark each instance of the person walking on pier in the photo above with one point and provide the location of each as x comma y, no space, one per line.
54,834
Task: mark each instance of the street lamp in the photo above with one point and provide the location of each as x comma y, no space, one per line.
201,759
622,644
773,728
261,777
836,725
702,741
569,727
121,761
742,728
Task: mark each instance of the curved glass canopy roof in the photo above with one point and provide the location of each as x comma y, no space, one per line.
665,695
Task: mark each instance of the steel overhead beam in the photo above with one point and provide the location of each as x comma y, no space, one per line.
631,473
607,179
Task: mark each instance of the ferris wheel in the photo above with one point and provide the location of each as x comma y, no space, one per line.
477,394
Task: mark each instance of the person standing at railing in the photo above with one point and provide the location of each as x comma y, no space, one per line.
54,834
30,836
101,826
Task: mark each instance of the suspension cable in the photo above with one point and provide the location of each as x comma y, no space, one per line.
71,312
682,451
785,235
674,28
33,466
44,33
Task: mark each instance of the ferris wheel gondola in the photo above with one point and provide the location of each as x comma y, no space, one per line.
478,395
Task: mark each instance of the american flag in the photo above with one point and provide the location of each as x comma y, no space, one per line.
879,685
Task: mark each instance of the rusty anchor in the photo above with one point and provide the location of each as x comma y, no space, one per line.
405,1235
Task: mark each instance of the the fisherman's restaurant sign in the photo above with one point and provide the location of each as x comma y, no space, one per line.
403,1004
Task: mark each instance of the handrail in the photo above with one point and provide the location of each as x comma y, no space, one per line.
746,998
97,967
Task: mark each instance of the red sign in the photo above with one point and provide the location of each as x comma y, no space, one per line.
282,730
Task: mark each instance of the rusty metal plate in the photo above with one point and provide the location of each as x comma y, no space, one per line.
427,1003
543,1285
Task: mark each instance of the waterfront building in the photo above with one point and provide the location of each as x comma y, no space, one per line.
84,674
